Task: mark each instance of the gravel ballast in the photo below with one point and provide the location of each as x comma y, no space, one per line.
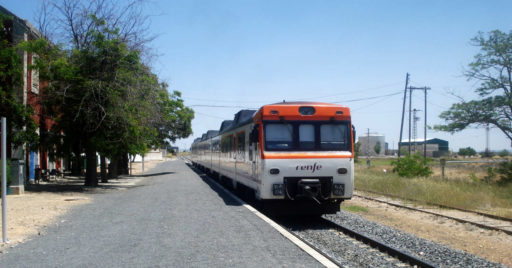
436,254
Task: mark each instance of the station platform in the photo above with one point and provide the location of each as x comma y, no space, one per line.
173,217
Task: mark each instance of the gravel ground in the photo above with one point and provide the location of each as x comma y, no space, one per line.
343,249
435,253
171,218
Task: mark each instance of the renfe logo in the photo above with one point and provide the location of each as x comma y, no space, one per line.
309,167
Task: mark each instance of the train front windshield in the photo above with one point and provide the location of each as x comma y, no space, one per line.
307,136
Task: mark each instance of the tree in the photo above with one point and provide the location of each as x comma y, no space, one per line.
21,127
377,148
504,153
104,99
468,151
492,67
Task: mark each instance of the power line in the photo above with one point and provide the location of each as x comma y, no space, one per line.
369,98
209,115
356,91
373,103
313,97
220,106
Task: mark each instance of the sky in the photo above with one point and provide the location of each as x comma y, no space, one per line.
224,56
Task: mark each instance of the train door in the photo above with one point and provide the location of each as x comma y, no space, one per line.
253,151
243,167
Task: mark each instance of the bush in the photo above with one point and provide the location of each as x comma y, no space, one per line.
505,172
467,151
9,174
504,153
357,146
412,166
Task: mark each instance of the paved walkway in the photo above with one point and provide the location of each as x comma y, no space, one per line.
172,218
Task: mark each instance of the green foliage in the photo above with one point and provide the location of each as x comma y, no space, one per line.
104,99
491,175
485,154
357,147
355,208
505,172
461,193
9,174
468,151
504,153
377,148
491,67
412,166
21,126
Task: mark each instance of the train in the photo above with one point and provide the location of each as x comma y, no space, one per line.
291,157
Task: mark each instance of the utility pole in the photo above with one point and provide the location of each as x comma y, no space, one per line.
487,141
425,128
410,105
415,120
425,123
4,180
403,112
368,148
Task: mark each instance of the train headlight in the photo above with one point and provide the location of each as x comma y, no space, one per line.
338,189
274,171
278,189
342,171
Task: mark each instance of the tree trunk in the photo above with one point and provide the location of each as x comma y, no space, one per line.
103,169
76,161
91,174
112,168
123,165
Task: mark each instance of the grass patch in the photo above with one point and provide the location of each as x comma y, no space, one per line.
354,208
466,193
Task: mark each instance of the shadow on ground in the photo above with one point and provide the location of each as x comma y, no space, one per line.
152,174
228,200
75,184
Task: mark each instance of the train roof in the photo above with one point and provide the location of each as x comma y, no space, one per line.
243,116
211,133
301,110
225,125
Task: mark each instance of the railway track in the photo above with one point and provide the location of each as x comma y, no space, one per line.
375,252
492,216
342,246
494,222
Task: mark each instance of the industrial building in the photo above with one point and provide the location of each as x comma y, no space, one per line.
372,144
435,147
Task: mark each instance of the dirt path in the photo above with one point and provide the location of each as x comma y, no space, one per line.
491,245
28,215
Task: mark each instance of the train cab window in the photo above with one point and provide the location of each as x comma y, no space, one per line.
333,136
278,136
306,136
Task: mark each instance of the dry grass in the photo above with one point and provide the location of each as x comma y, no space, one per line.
465,188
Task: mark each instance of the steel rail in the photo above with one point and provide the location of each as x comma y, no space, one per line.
438,214
441,206
399,254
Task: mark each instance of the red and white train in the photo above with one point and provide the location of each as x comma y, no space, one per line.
293,157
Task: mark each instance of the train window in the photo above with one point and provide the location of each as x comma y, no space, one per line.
278,136
306,136
226,144
333,136
241,145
